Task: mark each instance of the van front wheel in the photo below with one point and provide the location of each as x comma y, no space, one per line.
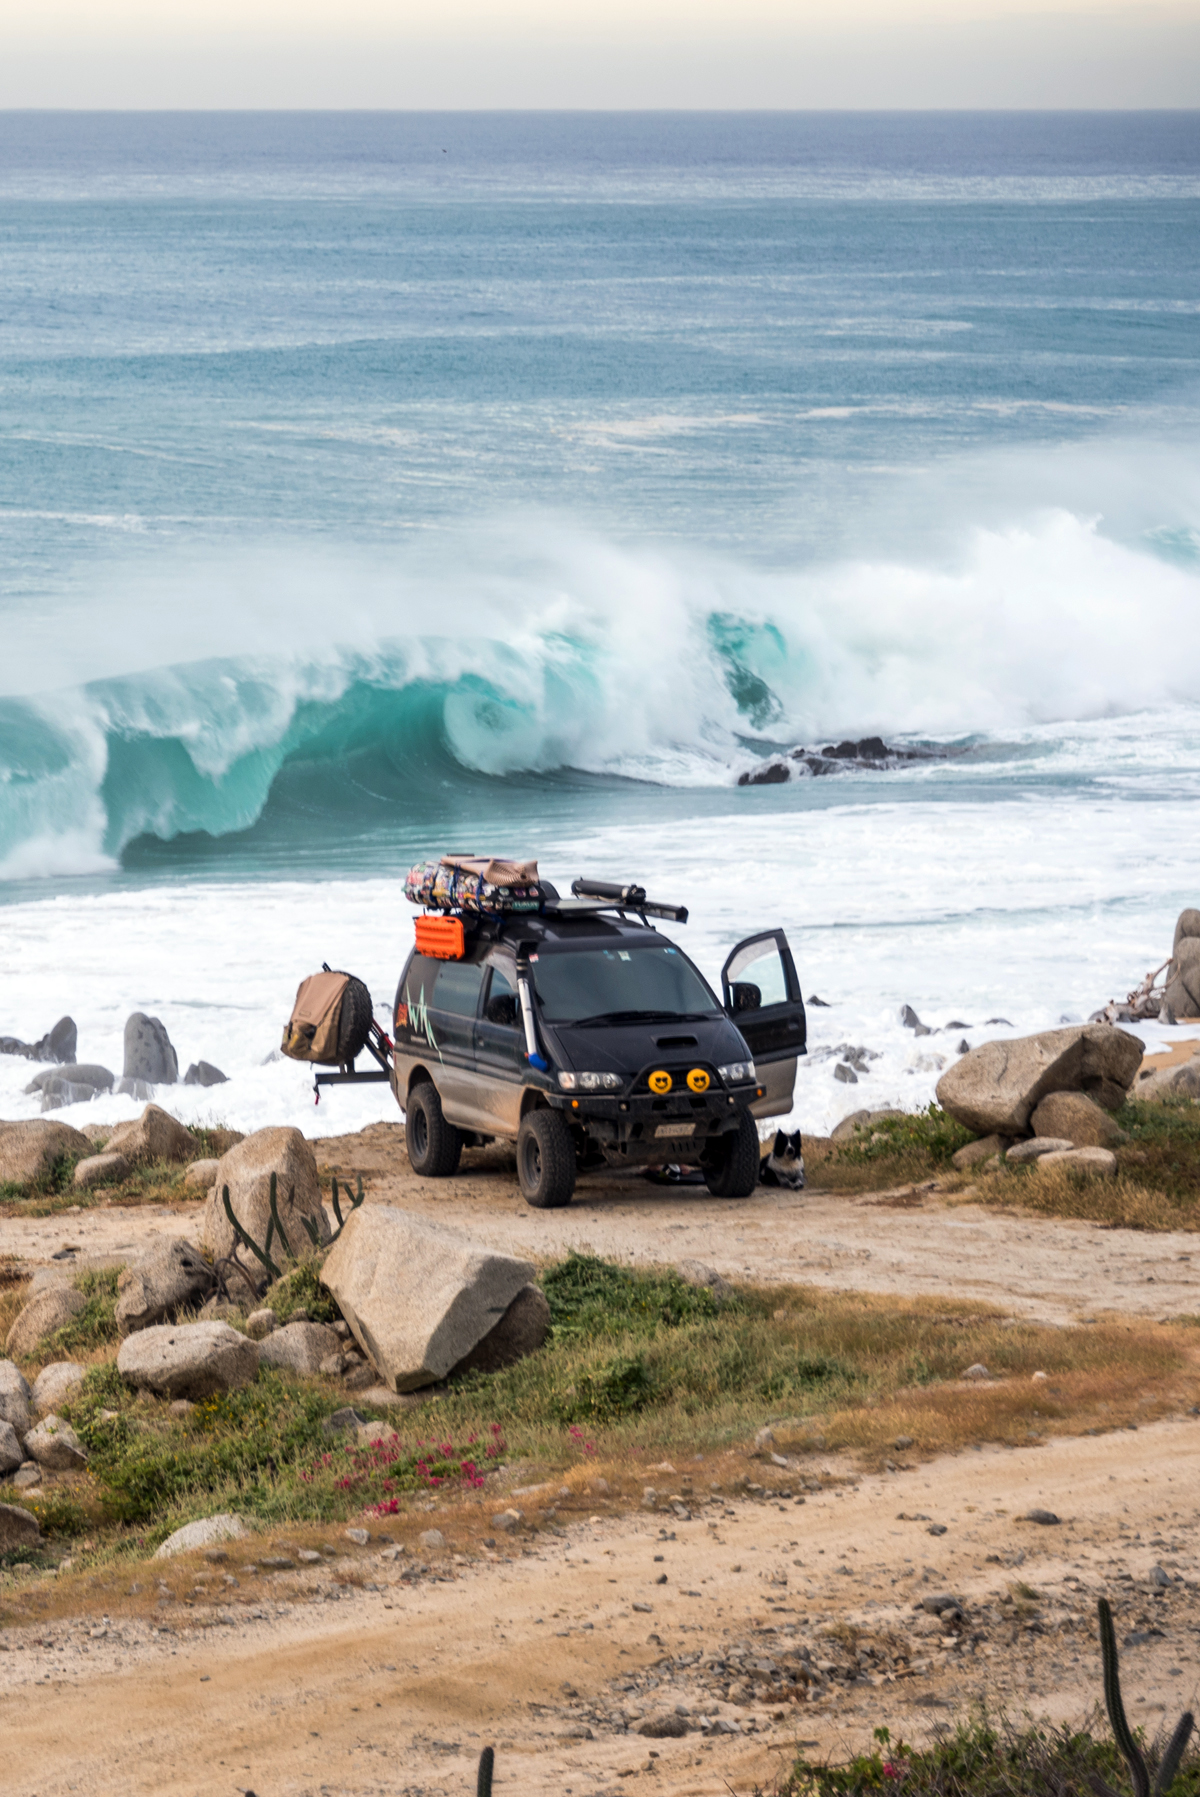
545,1160
733,1170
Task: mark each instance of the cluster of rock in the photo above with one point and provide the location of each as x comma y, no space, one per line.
150,1061
1178,1000
805,764
418,1303
30,1150
1044,1098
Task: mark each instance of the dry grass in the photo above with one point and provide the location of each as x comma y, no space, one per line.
1124,1202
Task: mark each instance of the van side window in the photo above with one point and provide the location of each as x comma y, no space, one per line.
501,1005
457,989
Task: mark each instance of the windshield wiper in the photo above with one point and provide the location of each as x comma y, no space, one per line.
583,1023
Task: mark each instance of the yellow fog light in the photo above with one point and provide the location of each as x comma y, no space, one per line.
660,1080
698,1080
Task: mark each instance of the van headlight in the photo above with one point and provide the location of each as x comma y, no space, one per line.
590,1082
738,1073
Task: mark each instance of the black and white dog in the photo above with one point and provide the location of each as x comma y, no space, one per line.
784,1166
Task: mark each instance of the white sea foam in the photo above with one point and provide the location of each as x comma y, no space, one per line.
1035,908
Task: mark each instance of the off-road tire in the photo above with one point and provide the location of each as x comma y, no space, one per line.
733,1171
545,1160
434,1146
354,1021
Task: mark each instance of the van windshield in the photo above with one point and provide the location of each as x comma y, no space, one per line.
620,985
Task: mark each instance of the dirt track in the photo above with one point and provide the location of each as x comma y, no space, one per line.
394,1690
914,1242
272,1686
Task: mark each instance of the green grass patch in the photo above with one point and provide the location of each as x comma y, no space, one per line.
984,1759
301,1289
931,1134
95,1326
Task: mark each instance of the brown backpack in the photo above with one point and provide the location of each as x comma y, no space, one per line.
311,1032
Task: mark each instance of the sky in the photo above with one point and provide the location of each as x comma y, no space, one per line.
599,53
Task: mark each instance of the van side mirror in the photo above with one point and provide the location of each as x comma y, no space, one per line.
746,996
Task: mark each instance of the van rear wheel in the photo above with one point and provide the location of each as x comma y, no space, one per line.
732,1172
545,1160
434,1146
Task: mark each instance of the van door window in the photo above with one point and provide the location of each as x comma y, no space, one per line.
457,989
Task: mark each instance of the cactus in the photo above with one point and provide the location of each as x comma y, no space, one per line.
355,1200
487,1763
277,1225
262,1254
1123,1734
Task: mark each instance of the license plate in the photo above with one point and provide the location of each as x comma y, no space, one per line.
675,1129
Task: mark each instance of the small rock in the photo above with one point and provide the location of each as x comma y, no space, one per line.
764,1440
1159,1577
649,1498
260,1323
55,1446
300,1347
18,1528
181,1407
29,1476
359,1536
978,1371
210,1529
911,1021
507,1520
1075,1116
644,1609
341,1420
334,1365
696,1272
1043,1516
1021,1153
903,1441
844,1072
203,1073
1100,1163
973,1154
432,1540
939,1601
663,1728
101,1170
1038,1377
308,1556
188,1360
201,1176
936,1528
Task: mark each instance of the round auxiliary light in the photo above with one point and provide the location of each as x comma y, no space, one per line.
660,1080
698,1080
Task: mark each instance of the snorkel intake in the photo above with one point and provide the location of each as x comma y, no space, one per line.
525,994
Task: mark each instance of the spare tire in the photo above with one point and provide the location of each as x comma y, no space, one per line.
354,1021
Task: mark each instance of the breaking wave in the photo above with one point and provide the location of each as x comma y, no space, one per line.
368,692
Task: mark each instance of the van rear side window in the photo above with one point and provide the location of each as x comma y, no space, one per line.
457,988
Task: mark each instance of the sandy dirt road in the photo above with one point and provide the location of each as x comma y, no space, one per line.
914,1242
274,1687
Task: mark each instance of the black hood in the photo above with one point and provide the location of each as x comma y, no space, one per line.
626,1048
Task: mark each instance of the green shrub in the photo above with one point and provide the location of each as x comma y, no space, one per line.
932,1132
96,1324
616,1388
301,1289
592,1297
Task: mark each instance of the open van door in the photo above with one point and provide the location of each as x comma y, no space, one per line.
762,996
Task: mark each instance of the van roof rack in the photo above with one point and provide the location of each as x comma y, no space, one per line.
590,896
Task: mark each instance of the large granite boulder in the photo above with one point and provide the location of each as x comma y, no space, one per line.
154,1136
55,1445
11,1451
14,1397
101,1170
300,1347
56,1385
1182,995
50,1311
149,1055
18,1528
246,1169
521,1331
995,1088
29,1150
417,1296
187,1360
1179,1080
1076,1118
167,1278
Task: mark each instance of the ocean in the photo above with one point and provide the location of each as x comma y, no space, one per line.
378,484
